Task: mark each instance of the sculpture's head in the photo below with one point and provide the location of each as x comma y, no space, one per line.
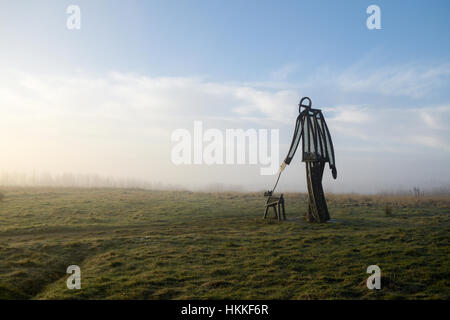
304,105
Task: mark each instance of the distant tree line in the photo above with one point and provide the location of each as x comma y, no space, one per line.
77,180
419,192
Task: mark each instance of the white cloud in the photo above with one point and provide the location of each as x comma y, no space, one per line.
408,80
438,119
351,114
119,124
387,127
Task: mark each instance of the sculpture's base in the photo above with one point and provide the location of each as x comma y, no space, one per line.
318,210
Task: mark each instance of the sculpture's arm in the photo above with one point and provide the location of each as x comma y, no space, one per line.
298,132
330,149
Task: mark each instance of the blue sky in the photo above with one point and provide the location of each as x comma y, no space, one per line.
137,70
226,40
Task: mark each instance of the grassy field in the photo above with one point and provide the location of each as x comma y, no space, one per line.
136,244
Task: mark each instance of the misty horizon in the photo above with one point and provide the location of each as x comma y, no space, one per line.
92,180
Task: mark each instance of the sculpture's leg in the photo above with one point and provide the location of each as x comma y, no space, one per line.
318,210
265,212
309,215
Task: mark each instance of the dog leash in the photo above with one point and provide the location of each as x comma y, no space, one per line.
283,165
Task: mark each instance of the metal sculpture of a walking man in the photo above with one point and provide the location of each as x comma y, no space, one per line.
317,146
